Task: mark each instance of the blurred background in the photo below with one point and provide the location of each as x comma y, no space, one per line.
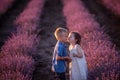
27,36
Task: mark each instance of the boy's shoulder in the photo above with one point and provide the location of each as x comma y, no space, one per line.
60,44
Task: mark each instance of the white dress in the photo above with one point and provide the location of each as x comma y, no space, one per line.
78,66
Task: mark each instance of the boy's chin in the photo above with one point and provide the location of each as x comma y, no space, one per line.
68,41
65,41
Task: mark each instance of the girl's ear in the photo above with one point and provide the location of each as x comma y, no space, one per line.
76,40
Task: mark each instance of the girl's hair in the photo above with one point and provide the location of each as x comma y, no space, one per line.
77,37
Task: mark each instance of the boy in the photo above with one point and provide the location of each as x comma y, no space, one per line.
60,53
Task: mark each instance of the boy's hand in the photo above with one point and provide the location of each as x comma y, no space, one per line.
68,59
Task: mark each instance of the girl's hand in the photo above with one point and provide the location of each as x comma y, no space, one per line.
74,55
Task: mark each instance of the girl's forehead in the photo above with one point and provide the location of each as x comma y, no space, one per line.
71,34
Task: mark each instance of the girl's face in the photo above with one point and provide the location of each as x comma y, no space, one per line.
71,38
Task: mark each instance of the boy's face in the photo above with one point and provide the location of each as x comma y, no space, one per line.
64,36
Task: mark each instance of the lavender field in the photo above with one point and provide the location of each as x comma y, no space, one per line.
27,36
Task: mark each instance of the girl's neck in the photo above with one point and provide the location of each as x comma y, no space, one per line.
73,44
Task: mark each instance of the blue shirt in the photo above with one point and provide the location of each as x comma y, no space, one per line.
59,65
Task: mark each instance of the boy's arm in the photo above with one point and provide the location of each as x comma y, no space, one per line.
59,54
62,58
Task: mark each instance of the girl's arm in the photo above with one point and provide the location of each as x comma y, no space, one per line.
79,55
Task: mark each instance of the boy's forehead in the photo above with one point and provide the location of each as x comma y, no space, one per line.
65,33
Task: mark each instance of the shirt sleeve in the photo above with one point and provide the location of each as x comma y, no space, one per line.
60,50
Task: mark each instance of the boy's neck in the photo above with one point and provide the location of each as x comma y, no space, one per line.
61,41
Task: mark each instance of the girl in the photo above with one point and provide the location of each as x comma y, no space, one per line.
78,65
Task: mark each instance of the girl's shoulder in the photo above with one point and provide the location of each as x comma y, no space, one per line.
78,46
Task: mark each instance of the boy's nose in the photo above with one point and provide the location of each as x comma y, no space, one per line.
67,39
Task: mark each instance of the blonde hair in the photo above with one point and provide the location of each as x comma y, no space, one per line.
59,31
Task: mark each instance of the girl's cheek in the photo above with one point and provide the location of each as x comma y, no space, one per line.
72,39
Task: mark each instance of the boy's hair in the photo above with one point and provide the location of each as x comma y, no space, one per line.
59,31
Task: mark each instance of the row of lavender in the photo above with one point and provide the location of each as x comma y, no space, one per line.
16,61
102,58
113,5
4,5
